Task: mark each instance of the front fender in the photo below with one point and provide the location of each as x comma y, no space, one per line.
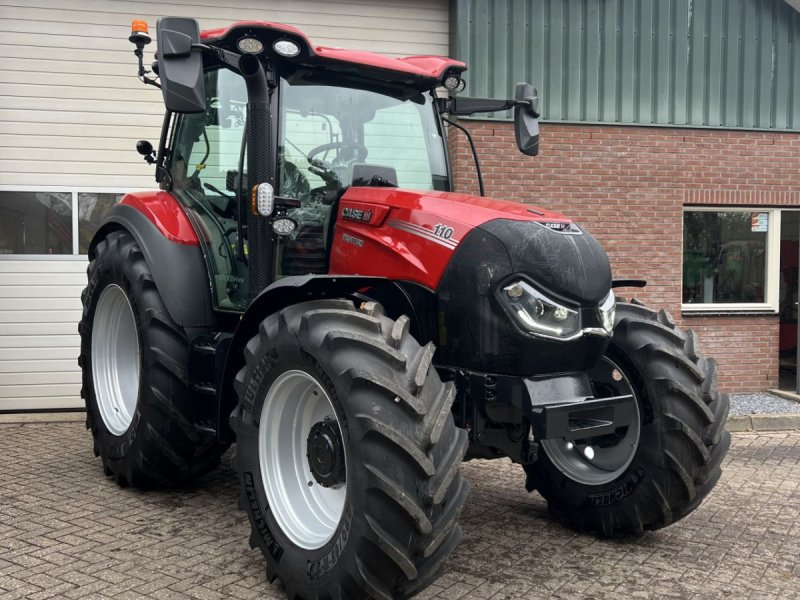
283,293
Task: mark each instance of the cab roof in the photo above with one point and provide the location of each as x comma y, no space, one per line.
420,72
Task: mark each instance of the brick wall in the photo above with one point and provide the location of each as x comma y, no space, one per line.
628,186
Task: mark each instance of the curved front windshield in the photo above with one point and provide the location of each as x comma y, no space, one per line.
331,134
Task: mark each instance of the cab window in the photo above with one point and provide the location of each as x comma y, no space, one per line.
203,171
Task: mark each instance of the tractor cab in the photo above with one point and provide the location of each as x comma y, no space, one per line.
334,119
328,138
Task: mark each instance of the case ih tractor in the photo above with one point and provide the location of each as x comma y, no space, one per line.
306,285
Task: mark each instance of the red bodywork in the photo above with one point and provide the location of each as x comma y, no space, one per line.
411,236
385,232
163,211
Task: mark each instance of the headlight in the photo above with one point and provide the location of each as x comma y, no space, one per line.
608,311
537,313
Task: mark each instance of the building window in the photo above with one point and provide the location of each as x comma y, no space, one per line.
54,222
92,207
728,256
35,223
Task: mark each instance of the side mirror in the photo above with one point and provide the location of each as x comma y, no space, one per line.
180,68
526,119
145,148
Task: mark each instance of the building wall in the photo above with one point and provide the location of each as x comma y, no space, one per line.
628,186
71,111
729,63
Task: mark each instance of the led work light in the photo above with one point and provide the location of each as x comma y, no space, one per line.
286,48
263,200
249,45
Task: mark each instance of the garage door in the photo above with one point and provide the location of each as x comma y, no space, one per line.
71,111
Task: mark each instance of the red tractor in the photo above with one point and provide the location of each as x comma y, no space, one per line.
306,285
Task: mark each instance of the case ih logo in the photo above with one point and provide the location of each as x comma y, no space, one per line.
557,226
356,214
562,227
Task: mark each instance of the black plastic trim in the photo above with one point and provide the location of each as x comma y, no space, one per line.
476,331
179,270
618,283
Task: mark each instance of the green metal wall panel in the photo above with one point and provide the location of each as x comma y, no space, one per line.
703,63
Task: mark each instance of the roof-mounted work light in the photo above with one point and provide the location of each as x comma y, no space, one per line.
452,82
286,48
249,45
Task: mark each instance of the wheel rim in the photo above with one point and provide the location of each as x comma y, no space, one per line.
306,511
599,461
115,359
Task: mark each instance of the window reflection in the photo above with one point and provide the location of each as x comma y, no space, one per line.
725,256
35,223
92,208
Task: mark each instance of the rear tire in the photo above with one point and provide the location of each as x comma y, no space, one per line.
680,445
134,359
400,492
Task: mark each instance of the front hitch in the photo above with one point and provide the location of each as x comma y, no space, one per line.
511,416
582,418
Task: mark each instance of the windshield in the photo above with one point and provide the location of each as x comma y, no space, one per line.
328,133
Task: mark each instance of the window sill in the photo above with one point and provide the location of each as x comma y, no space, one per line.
728,312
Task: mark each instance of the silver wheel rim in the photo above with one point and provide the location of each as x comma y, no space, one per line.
307,513
593,463
115,359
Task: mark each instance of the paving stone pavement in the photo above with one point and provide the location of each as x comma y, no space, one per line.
67,531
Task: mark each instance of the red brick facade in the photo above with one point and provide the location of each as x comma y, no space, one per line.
628,186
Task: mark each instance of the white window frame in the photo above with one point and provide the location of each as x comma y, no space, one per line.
66,190
771,269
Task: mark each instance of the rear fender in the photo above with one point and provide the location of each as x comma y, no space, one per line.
397,297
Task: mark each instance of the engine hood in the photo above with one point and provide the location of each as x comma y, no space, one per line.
463,209
419,235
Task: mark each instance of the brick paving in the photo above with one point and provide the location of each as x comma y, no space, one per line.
66,531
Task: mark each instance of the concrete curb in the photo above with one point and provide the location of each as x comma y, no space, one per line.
786,395
762,422
42,417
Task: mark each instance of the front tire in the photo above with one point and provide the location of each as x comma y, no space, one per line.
134,359
661,466
374,512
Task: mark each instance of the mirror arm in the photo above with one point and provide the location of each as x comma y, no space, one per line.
246,65
474,152
469,106
226,57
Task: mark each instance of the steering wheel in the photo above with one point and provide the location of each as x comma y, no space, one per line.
361,149
294,183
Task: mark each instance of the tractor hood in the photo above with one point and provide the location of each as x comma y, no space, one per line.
470,250
554,252
459,209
